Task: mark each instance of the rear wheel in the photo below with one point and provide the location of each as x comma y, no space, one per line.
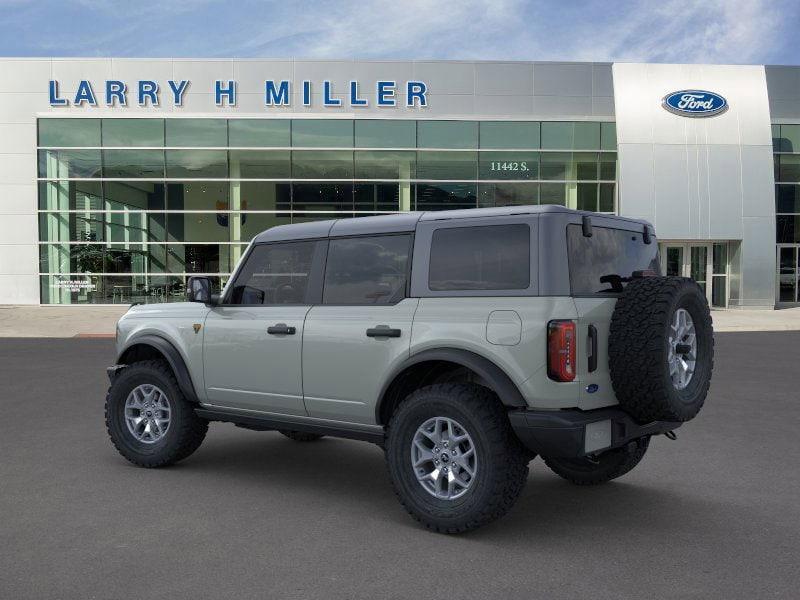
593,470
454,461
148,419
300,436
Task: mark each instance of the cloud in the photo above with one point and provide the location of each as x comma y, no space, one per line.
714,31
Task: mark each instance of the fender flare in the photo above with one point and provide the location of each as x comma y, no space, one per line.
168,350
496,377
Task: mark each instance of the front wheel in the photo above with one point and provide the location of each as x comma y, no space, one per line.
148,419
453,458
594,470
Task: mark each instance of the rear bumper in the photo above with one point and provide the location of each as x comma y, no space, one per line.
573,433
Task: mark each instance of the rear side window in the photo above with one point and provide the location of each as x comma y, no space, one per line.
274,274
607,252
367,270
488,257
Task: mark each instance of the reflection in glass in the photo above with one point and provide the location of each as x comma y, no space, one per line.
787,198
198,258
198,195
200,227
447,134
509,134
261,195
322,164
553,193
63,164
197,164
133,132
198,133
382,197
608,136
446,196
260,164
447,165
384,133
65,133
385,164
585,166
789,168
134,195
322,197
556,165
508,194
263,133
132,164
587,196
70,195
322,133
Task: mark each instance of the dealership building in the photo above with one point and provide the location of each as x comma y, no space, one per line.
119,178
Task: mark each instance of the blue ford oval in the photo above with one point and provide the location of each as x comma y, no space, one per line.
695,103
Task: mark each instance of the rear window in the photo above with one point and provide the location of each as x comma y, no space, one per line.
490,257
607,252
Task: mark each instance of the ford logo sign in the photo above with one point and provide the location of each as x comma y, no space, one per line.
695,103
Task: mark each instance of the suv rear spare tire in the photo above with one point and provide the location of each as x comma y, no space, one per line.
661,349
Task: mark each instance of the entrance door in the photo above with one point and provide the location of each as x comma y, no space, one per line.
788,290
688,260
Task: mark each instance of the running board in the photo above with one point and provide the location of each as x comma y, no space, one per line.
259,422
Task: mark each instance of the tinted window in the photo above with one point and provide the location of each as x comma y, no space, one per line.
607,252
367,270
274,274
493,257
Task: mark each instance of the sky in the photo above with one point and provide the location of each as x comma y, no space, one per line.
680,31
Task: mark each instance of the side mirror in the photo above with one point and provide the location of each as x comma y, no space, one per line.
198,289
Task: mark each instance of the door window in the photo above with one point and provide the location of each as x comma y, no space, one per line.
367,270
274,274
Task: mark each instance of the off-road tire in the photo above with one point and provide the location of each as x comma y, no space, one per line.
502,462
638,349
602,468
301,436
186,430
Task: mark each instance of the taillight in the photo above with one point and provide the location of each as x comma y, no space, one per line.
561,350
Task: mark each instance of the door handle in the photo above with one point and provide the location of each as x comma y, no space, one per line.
383,331
281,329
592,348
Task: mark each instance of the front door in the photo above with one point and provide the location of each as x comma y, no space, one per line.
252,350
361,330
688,260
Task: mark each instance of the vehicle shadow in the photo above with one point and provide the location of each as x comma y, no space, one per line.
352,478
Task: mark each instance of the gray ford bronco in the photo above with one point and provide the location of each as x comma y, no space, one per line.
464,343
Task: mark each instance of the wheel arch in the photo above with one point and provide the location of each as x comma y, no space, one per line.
156,347
429,366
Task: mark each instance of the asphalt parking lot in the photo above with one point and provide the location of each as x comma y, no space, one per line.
254,515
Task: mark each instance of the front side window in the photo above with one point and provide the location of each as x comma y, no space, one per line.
367,270
606,252
274,274
489,257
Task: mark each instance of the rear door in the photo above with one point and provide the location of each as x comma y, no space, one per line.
361,329
609,251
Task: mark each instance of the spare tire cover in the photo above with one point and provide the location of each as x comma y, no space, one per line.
661,349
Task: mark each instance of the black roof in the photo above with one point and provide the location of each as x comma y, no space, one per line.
401,222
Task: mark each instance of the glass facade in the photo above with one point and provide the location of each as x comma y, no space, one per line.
786,148
128,208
